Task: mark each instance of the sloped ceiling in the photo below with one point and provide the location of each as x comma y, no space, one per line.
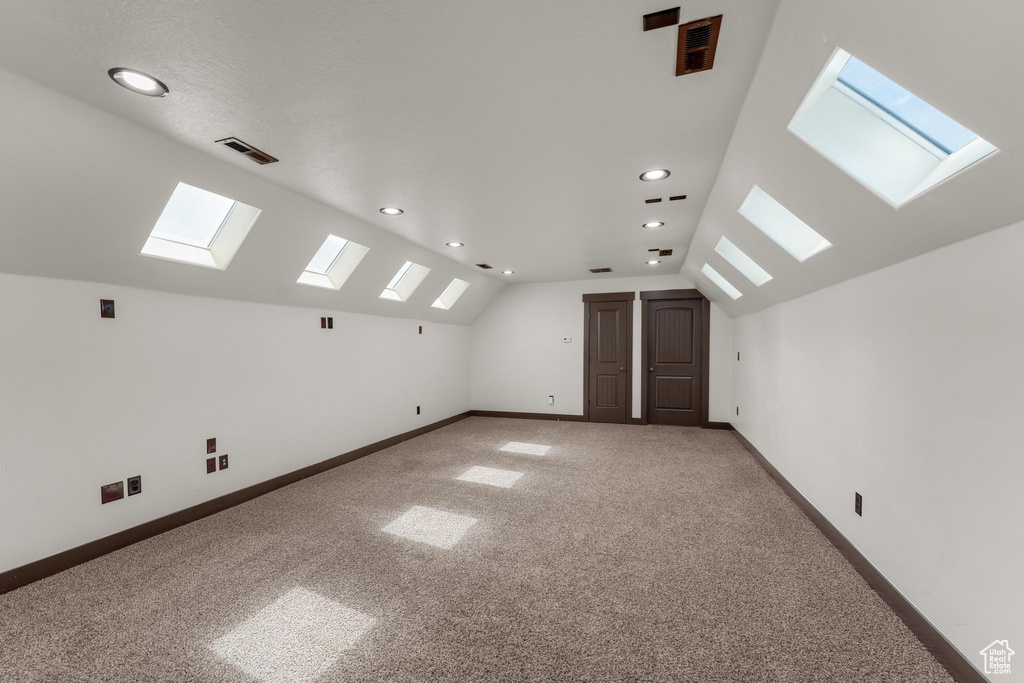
516,126
960,58
80,191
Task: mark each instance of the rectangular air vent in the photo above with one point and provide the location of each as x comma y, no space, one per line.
485,266
698,41
677,197
652,201
248,150
665,252
600,270
666,17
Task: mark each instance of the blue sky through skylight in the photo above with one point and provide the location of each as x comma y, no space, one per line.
929,122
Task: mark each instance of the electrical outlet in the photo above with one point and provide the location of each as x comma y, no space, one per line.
224,461
323,323
858,504
106,308
134,485
417,410
211,446
111,492
211,465
551,400
421,329
330,323
737,410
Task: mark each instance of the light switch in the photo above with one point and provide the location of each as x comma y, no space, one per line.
566,340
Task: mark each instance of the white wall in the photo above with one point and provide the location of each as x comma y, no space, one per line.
88,401
907,385
519,358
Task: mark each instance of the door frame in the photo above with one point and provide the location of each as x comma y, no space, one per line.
588,299
705,345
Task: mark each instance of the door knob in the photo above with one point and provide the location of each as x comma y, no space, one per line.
622,368
650,369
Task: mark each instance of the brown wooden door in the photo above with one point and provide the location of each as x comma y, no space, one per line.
609,327
674,358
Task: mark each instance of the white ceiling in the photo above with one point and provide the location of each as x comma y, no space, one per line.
518,127
961,58
80,191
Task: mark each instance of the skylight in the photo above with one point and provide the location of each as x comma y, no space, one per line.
923,118
327,254
200,227
722,283
333,263
887,138
741,262
451,294
405,282
193,216
785,229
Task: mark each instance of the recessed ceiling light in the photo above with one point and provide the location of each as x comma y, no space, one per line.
454,244
656,174
653,224
391,211
136,81
653,262
508,272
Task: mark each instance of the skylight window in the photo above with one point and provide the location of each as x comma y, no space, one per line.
333,263
887,138
405,282
912,111
741,262
451,294
721,282
200,227
785,229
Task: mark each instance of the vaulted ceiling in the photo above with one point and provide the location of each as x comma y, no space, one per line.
518,128
916,45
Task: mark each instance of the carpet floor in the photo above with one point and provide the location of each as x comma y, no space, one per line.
623,553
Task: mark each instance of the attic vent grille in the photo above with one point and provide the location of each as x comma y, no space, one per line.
698,41
485,266
248,150
698,37
600,270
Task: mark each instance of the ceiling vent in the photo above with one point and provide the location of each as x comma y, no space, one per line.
248,150
662,19
698,41
600,270
652,201
677,198
485,266
665,252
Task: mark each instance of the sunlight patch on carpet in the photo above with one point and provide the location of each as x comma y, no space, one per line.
491,476
431,526
527,448
295,639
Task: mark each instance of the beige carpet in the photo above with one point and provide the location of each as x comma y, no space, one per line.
624,553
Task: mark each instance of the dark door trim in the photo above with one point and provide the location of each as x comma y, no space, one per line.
628,297
705,355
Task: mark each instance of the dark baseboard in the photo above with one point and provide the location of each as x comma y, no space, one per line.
48,566
717,425
958,666
637,421
528,416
